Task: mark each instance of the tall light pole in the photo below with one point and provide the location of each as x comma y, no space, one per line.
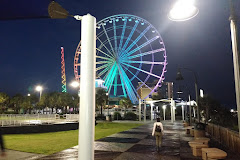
235,50
87,88
180,77
39,89
233,26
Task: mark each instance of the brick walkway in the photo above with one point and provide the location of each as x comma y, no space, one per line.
137,144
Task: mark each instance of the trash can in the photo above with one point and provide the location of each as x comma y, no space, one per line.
199,130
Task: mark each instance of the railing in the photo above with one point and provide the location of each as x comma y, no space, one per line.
226,137
34,119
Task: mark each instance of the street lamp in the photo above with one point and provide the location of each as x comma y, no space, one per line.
183,10
235,49
39,89
180,77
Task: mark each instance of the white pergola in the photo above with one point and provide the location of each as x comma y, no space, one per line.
173,105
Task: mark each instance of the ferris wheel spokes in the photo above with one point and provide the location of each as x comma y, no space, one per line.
136,40
108,40
128,39
146,53
137,77
140,47
122,36
149,73
102,44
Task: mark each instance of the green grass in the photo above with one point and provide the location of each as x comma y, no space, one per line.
48,143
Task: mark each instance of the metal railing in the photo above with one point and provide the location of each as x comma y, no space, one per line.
35,119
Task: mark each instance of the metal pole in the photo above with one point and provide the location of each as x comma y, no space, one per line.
139,110
87,86
235,50
145,111
151,111
196,92
182,112
190,110
171,111
164,114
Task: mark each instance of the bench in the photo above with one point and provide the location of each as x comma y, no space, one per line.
213,154
188,129
192,132
197,148
204,140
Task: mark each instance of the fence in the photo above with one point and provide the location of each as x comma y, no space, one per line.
226,137
34,119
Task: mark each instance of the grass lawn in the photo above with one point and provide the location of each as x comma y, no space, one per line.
48,143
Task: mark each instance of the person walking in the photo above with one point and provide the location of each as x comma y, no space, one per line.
158,133
2,143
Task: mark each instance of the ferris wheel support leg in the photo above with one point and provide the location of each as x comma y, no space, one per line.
87,89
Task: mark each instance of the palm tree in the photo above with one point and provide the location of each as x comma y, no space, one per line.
126,103
4,101
16,102
101,98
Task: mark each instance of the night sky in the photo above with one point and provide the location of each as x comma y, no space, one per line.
30,49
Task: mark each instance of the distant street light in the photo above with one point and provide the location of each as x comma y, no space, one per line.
39,89
28,94
75,84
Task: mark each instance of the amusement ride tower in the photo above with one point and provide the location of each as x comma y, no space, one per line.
64,87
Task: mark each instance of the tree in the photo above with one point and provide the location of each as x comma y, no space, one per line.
53,100
4,101
65,99
16,102
44,101
126,103
101,98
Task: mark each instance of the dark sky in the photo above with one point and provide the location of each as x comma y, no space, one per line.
30,48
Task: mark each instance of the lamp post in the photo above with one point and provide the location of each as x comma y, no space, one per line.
180,77
164,112
108,105
39,89
178,10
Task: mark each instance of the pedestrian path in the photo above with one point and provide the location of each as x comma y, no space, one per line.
133,144
137,144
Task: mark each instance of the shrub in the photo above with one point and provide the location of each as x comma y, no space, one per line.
130,116
100,117
117,116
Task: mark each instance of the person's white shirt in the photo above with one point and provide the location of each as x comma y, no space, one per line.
154,127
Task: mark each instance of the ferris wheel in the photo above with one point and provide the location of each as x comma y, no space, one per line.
130,55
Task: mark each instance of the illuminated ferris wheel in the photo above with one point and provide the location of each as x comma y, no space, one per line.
130,54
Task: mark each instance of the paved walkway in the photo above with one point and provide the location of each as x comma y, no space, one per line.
137,144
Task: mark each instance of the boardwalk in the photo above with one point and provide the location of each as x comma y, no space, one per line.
138,144
134,144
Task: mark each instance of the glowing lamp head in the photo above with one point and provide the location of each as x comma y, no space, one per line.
75,84
232,110
164,107
39,88
183,10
